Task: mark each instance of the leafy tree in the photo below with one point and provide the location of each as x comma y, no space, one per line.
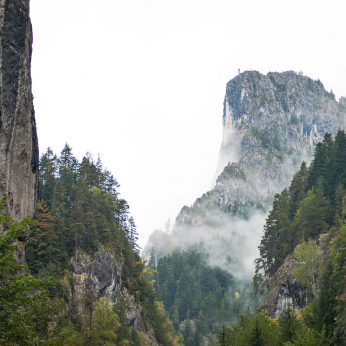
101,325
254,330
308,265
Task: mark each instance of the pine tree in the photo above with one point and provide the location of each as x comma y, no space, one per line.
133,234
297,190
289,325
269,243
339,158
256,338
47,177
328,169
325,305
44,237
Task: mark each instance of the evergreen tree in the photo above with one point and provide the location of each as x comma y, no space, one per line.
297,190
256,338
325,305
289,325
47,177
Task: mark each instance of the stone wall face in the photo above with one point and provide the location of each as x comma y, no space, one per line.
18,139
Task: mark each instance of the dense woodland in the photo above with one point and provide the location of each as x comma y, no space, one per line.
79,208
308,222
199,296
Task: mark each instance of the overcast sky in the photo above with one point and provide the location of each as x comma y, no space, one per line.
142,82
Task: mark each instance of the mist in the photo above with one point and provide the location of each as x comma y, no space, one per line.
230,242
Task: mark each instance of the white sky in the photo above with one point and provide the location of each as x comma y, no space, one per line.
142,82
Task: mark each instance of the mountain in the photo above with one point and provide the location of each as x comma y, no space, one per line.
271,123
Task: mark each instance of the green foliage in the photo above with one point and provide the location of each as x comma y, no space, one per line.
200,296
232,170
269,137
100,324
28,314
85,212
294,119
261,330
289,326
309,262
80,208
306,209
313,216
314,204
320,83
256,330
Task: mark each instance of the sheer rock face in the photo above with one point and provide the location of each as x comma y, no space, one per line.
101,274
285,291
18,139
271,124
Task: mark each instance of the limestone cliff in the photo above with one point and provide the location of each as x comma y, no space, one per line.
270,124
285,290
18,139
100,275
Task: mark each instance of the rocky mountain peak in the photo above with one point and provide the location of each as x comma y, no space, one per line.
271,123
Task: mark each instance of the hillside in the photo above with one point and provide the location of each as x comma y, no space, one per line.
302,259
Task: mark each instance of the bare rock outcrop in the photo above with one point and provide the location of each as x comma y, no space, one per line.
271,123
285,290
100,274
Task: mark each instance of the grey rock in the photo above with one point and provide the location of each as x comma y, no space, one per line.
271,123
285,291
18,139
101,275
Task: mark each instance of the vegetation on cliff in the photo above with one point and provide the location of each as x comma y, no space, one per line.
314,204
79,209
